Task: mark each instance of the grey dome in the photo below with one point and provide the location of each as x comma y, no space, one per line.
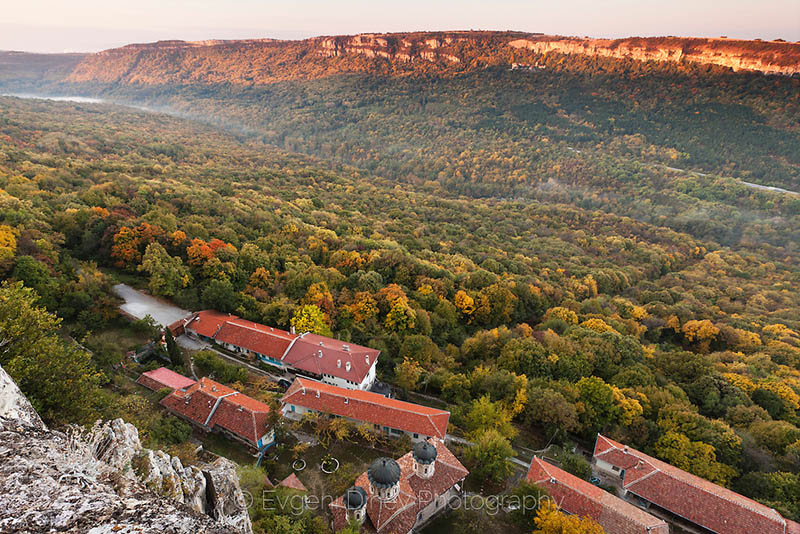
424,452
355,498
383,473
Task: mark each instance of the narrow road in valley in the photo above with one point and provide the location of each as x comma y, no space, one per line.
139,305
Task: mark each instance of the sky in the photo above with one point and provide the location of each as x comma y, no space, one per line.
92,25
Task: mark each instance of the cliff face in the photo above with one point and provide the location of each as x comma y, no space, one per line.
766,57
103,481
253,62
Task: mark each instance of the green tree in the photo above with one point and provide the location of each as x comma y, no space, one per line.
550,410
168,275
490,456
525,356
694,456
220,295
58,377
36,275
173,350
527,497
486,415
599,406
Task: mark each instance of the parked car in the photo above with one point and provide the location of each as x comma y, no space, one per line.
284,384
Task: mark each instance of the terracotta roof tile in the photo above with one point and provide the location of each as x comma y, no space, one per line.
581,498
706,504
292,482
342,360
305,353
368,407
399,516
237,413
164,378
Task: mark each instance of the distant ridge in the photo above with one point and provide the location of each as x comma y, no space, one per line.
263,61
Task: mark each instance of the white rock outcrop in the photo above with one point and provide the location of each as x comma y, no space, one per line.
14,405
104,481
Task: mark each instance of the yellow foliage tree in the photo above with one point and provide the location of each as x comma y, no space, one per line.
695,330
747,340
364,307
549,520
464,302
779,330
408,374
674,323
400,317
630,408
7,238
783,391
740,381
565,314
598,325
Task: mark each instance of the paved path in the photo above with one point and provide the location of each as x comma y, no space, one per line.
140,305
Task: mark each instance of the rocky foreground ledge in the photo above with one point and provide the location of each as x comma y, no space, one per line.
103,481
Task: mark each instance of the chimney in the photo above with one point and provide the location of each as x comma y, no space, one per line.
346,348
347,366
366,359
319,353
292,330
338,363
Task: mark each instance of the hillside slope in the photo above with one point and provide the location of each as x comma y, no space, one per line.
254,62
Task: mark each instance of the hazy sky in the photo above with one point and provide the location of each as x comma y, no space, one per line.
89,25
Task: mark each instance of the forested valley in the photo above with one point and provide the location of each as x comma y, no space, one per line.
562,251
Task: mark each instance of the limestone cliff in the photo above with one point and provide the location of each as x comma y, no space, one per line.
767,57
264,61
103,481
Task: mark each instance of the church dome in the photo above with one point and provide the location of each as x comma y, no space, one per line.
384,473
424,452
355,498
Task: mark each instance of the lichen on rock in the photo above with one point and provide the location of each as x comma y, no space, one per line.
103,481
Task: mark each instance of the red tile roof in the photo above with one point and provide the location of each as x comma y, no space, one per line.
400,515
322,355
164,378
368,407
308,352
711,506
578,497
210,404
293,482
207,323
255,337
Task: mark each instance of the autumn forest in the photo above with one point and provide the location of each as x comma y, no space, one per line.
551,253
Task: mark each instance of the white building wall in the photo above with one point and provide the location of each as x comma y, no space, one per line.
606,467
435,507
365,384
